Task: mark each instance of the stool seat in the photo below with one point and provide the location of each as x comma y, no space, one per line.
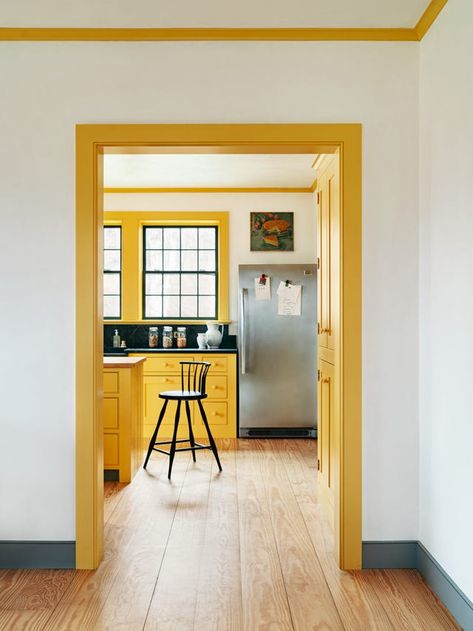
189,395
195,377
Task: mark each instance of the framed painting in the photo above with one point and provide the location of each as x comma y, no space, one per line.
271,232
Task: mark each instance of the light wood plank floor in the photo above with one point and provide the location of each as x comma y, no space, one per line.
248,549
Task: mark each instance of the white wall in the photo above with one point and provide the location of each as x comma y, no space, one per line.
239,206
446,293
49,87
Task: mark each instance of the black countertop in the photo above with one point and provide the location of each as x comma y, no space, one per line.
117,352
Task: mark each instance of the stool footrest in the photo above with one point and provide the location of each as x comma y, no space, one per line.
196,448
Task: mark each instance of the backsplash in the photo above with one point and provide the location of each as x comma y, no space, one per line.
136,335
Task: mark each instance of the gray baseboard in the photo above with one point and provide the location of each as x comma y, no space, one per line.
413,555
37,554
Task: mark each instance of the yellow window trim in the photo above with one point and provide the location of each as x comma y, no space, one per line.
132,223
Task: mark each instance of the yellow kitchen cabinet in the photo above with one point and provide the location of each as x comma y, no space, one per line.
328,435
328,253
163,372
123,415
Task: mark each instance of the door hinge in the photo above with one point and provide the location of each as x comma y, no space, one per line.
318,262
318,328
318,197
318,464
318,374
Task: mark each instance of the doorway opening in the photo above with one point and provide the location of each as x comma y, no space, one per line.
95,141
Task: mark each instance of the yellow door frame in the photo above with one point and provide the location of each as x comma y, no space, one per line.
92,141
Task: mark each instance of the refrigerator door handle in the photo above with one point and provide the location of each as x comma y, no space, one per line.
243,293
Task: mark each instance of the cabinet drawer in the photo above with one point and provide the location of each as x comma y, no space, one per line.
219,363
165,364
217,387
216,412
110,450
110,382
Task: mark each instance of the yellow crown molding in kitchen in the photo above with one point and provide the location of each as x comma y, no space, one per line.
223,189
414,34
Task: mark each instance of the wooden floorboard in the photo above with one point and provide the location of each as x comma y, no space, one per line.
247,549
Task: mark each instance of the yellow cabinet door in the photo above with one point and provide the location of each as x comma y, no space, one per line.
153,385
328,435
328,245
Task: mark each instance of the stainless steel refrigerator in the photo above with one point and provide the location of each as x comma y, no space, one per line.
278,355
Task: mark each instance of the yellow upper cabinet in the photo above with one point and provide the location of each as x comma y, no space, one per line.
133,226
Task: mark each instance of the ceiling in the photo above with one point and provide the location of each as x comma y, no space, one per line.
209,171
213,13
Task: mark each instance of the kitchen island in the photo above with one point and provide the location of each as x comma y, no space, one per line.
122,416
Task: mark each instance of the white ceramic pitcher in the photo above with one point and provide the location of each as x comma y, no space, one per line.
214,334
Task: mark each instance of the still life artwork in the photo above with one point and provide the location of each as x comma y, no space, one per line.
272,231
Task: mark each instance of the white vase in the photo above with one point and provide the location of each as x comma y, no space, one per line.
214,334
201,340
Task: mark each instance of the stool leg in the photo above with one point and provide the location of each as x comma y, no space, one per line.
155,433
174,438
191,433
211,438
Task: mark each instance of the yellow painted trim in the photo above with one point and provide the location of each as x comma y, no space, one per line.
89,354
241,189
207,34
42,34
91,141
428,18
132,223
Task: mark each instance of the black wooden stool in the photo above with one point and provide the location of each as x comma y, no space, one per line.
192,374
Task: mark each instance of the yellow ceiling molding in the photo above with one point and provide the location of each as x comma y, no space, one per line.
414,34
428,17
267,189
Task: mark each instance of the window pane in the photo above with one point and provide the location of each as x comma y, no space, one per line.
171,284
189,238
206,238
154,238
206,284
189,260
207,260
111,306
153,307
172,239
172,260
154,284
189,307
206,306
111,238
154,260
170,306
111,284
188,283
111,260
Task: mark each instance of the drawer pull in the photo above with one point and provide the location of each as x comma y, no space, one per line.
217,414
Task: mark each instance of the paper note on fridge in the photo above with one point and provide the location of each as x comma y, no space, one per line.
263,290
289,299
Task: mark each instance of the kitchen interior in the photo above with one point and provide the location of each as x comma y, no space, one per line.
213,258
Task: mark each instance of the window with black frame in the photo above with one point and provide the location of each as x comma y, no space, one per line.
180,272
112,266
